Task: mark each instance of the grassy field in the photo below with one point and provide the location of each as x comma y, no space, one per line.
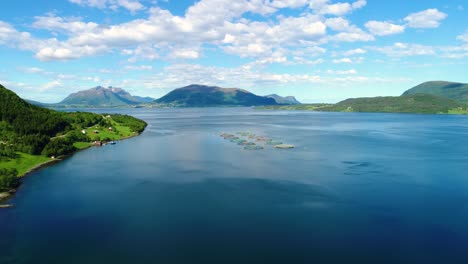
459,111
81,145
24,163
103,133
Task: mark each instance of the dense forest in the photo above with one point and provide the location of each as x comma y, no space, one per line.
39,131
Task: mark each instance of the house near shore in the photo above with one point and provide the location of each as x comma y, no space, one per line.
110,129
97,143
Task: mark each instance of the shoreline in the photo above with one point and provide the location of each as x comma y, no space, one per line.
6,195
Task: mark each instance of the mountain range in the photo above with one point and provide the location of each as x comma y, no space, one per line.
189,96
201,96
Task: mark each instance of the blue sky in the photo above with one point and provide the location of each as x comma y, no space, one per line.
316,50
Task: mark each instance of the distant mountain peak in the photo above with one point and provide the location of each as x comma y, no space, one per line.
101,96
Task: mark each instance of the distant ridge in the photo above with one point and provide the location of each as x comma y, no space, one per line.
103,97
287,100
196,95
453,90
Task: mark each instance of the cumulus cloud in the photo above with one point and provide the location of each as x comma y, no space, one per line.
68,25
163,35
382,28
430,18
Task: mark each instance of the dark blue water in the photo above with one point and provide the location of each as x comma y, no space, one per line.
358,188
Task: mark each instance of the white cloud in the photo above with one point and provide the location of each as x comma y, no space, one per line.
139,67
399,49
167,36
381,28
51,85
463,37
68,25
347,31
339,9
304,61
356,35
429,18
345,72
455,52
185,54
178,75
34,70
342,60
131,5
354,52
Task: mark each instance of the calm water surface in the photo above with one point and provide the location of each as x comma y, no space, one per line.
358,188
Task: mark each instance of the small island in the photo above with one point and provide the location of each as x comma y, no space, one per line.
32,136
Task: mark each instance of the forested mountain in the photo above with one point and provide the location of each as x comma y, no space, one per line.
201,95
453,90
104,97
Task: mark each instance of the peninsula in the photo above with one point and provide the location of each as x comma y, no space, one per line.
31,136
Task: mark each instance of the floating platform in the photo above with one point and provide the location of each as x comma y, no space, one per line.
253,147
274,143
284,146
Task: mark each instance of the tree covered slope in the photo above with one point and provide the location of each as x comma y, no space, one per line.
453,90
417,103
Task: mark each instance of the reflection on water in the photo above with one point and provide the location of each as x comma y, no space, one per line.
358,188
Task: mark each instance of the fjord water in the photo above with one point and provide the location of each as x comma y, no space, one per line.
358,188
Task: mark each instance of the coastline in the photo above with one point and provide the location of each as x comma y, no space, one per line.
6,195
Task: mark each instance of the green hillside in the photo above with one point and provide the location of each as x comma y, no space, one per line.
452,90
201,96
417,103
30,135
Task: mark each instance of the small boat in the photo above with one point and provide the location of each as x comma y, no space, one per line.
112,143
